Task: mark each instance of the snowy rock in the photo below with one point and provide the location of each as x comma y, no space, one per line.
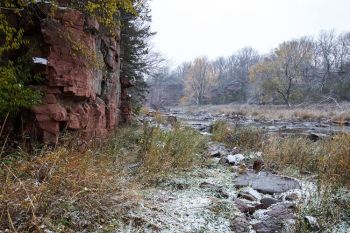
217,150
291,195
312,222
40,60
248,191
235,159
266,182
240,225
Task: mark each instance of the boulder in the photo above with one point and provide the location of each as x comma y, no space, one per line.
275,218
266,182
249,194
266,202
240,225
235,159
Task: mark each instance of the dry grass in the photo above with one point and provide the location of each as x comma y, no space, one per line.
244,138
63,190
165,151
328,158
314,112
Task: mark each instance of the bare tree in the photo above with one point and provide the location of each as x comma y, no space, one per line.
199,81
285,69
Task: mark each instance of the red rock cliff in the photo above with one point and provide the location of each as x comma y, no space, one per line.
78,95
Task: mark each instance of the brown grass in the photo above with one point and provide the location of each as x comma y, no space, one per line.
63,190
245,138
165,151
329,158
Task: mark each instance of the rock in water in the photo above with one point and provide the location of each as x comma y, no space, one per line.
266,182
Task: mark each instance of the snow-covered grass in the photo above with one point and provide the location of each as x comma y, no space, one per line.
179,204
327,204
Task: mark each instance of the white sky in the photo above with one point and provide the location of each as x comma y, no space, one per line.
190,28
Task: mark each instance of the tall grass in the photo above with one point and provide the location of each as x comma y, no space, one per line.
245,138
164,151
328,158
65,190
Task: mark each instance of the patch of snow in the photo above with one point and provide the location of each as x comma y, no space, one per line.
206,134
40,60
297,192
255,155
312,222
252,192
235,159
342,228
260,215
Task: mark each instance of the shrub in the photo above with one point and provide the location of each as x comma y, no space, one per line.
14,91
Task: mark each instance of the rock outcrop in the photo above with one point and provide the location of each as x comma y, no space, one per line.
81,65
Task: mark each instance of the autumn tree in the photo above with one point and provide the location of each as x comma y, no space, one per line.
286,68
199,81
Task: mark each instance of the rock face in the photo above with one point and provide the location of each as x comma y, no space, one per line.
80,62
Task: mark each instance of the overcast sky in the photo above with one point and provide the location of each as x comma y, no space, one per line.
190,28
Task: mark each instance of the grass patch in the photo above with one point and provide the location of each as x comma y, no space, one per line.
170,151
245,138
328,158
64,190
305,115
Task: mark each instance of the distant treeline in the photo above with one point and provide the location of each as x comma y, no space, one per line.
297,71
